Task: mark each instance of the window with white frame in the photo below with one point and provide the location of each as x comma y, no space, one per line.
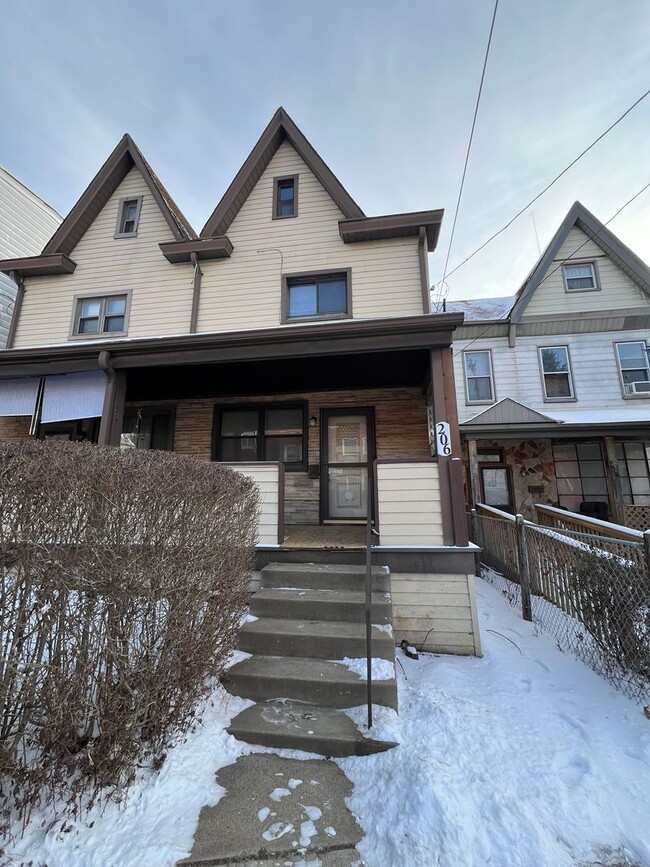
580,277
479,386
634,368
100,314
556,372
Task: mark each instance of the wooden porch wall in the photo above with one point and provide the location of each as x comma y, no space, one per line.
400,429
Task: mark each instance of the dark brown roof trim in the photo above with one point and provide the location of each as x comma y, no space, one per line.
281,127
393,226
205,248
125,156
286,341
38,266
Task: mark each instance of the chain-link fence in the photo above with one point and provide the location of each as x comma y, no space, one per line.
591,593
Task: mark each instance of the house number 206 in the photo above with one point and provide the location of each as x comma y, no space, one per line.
443,438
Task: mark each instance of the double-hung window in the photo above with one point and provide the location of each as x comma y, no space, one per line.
580,277
321,296
128,216
285,197
247,434
100,314
634,368
479,385
556,372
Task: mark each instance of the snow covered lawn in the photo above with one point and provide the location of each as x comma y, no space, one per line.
524,758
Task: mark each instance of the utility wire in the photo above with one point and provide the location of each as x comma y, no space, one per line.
546,188
469,144
531,289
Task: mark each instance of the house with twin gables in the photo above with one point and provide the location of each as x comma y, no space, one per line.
553,385
292,338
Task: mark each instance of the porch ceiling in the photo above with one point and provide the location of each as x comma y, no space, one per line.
279,376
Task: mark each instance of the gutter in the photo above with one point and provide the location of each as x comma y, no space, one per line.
196,292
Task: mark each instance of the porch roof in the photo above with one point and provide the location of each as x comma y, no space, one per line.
371,337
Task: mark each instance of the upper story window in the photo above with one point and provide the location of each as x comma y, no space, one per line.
479,381
320,296
580,277
100,315
285,197
261,433
128,216
556,372
634,368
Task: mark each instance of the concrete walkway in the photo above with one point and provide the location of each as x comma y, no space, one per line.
278,811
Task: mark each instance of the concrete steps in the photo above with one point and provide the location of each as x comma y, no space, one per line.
316,681
294,725
313,638
309,616
338,605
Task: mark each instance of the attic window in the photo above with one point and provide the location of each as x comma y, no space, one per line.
580,277
128,217
285,197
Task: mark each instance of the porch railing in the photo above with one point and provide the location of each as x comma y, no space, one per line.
269,478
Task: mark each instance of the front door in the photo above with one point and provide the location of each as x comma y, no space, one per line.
347,453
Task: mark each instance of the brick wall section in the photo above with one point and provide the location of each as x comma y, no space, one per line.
400,429
14,429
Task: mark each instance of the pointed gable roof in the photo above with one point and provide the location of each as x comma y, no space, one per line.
126,156
579,216
281,128
509,411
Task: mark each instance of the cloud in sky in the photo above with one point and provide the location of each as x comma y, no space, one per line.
384,91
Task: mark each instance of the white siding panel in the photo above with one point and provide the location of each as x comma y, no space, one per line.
267,478
161,293
399,487
26,222
617,290
517,372
245,291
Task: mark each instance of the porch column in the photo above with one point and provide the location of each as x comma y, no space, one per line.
440,414
474,482
613,482
110,426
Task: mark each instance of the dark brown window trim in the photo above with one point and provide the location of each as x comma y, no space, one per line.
261,407
121,215
77,301
276,201
304,275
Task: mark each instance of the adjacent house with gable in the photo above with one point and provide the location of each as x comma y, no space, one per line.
292,338
26,224
553,385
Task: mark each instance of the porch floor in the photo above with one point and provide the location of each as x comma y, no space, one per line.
325,536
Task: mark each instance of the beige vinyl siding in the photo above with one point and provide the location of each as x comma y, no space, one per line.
517,374
436,612
617,290
245,290
161,293
409,503
267,478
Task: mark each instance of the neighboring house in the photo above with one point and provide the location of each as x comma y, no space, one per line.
293,337
26,224
554,387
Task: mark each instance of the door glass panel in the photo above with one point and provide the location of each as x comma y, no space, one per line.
347,440
495,485
347,492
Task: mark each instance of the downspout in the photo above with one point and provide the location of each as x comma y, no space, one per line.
18,303
196,292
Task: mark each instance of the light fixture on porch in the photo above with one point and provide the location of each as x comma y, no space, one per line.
313,421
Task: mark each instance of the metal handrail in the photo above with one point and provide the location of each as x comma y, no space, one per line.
369,534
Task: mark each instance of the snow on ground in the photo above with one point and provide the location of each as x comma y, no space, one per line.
381,669
524,758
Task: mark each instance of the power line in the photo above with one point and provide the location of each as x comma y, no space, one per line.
471,138
546,188
530,290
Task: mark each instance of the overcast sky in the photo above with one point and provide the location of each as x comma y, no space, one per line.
385,92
